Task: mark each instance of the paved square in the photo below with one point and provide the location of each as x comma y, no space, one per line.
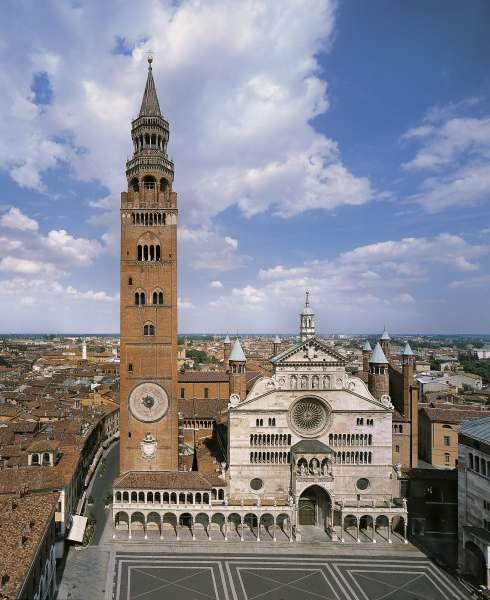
153,576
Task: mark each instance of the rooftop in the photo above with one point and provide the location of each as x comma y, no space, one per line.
168,480
24,521
479,429
237,352
378,356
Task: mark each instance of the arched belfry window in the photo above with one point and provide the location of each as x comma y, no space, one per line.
163,185
149,182
158,297
149,329
139,298
135,184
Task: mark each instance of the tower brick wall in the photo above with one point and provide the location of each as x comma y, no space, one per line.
148,265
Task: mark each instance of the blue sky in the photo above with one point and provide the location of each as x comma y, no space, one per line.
342,147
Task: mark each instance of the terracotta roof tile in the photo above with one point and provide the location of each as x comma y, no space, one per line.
168,480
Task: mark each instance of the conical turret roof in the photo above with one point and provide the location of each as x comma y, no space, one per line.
237,352
407,351
277,340
378,356
149,104
385,335
227,340
367,347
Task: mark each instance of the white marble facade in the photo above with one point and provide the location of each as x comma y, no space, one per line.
312,425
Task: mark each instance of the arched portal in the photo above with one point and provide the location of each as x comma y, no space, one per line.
315,507
475,566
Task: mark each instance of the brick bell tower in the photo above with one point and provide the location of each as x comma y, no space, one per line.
148,368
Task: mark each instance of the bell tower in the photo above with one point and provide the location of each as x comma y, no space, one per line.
148,304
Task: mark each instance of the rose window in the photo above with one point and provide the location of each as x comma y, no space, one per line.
309,416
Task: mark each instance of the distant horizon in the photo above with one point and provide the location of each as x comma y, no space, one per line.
252,334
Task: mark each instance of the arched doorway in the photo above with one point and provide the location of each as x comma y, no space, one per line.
475,566
315,507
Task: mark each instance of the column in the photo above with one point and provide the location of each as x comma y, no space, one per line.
274,531
290,530
374,530
192,529
129,528
161,527
258,528
145,529
177,525
357,526
226,529
342,528
405,541
241,530
389,531
209,530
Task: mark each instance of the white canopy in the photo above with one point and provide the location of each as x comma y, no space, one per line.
77,528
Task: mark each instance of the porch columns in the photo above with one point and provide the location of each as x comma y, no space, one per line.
226,530
357,526
274,531
405,541
389,531
129,528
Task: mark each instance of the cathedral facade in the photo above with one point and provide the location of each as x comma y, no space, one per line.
309,447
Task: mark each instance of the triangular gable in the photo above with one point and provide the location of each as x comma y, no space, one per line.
308,352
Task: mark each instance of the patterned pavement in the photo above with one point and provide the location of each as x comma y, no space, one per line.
147,576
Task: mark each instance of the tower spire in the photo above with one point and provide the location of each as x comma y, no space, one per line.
149,105
306,320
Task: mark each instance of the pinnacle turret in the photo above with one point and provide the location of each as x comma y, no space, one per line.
149,105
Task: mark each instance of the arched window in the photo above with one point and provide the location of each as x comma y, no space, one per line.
135,184
163,185
149,182
140,252
157,252
130,367
130,281
149,329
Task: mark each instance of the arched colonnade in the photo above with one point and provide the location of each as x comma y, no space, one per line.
235,525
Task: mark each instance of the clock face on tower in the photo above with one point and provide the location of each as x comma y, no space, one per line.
148,402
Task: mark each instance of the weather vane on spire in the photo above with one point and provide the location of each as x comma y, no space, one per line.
307,301
149,56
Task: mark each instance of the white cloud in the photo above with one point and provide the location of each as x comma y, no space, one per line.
184,303
356,290
205,249
280,272
16,219
216,284
27,267
76,250
231,242
240,134
456,151
405,298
